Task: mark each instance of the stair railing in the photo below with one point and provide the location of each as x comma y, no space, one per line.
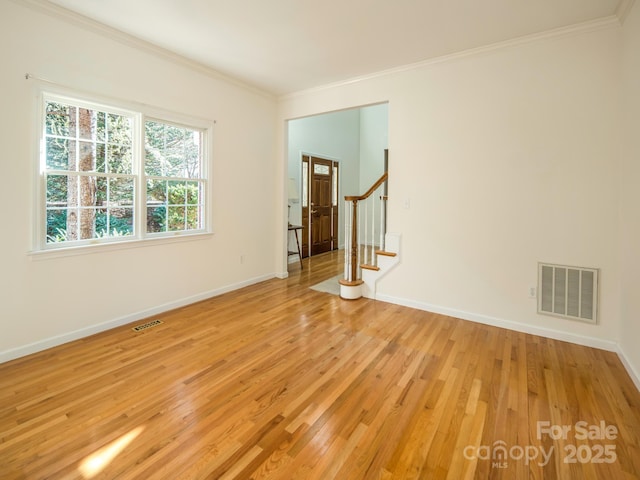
365,228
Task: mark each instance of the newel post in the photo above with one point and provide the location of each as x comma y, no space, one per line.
354,241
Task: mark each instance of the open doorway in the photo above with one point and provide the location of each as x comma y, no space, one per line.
353,141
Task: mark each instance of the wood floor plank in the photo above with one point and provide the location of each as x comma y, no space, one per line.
277,381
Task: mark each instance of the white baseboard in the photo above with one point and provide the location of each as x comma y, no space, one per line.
633,373
584,340
41,345
587,341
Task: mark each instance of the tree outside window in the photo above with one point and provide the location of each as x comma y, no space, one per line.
93,177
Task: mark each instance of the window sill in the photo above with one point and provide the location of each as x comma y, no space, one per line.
47,254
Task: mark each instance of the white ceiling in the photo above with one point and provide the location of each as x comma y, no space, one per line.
283,46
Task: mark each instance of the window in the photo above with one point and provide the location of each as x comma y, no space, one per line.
115,175
174,182
89,177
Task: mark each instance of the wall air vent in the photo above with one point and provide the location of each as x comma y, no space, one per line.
569,292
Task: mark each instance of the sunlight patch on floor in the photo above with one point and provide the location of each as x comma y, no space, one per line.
97,461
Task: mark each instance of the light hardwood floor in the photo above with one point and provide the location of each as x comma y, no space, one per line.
276,381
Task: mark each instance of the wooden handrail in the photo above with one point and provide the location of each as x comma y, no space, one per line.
353,254
357,198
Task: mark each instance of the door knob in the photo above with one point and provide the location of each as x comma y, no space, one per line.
314,211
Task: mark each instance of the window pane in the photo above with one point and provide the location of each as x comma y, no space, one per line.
177,193
57,154
86,125
154,133
156,219
119,129
192,154
192,193
334,189
81,223
156,191
101,191
114,222
172,151
121,221
101,157
56,191
86,157
153,162
320,169
102,223
56,225
176,218
175,151
119,159
101,126
305,183
87,186
57,119
121,191
193,218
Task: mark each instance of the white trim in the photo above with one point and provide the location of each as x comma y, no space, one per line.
110,246
633,373
139,113
593,342
67,92
623,10
128,40
585,27
584,340
41,345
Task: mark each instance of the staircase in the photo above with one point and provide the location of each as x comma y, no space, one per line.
370,251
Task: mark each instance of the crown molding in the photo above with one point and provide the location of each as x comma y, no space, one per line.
82,21
54,10
579,28
624,7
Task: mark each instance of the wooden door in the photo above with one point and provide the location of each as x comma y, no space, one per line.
320,211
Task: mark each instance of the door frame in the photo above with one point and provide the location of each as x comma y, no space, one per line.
306,157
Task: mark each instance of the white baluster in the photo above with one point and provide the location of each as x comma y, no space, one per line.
366,232
373,228
382,221
358,241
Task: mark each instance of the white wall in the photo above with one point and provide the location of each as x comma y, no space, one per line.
507,157
335,136
355,137
50,300
374,139
630,204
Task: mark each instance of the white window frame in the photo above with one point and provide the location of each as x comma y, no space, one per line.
140,114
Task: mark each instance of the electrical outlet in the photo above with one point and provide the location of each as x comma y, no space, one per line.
532,292
241,259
